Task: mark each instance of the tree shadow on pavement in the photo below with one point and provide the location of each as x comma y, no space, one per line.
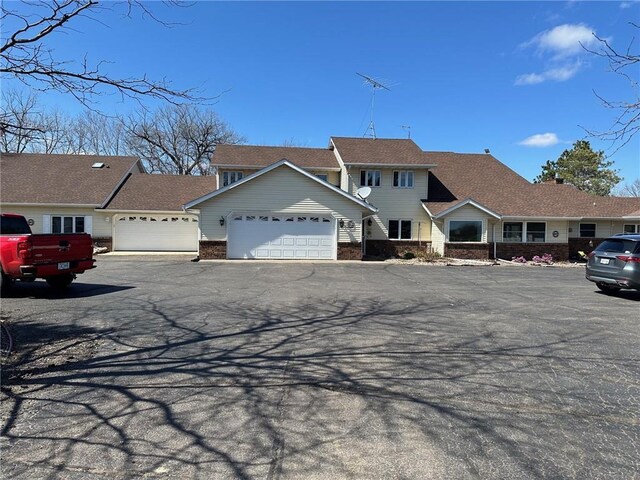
342,389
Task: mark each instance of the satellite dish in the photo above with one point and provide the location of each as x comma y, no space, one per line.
363,192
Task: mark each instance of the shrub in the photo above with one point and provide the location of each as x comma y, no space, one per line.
519,259
546,258
429,256
408,255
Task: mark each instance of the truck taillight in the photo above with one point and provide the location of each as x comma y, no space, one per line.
626,258
24,249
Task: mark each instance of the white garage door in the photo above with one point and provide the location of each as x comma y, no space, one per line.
169,233
277,236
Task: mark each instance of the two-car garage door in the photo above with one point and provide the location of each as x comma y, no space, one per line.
277,236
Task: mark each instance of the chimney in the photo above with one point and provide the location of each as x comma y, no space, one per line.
559,180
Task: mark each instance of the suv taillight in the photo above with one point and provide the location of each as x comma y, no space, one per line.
24,249
591,254
626,258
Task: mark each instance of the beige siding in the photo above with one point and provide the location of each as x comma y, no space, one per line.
395,203
332,177
469,212
282,190
560,226
101,227
437,237
604,228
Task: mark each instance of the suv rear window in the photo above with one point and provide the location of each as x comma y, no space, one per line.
618,245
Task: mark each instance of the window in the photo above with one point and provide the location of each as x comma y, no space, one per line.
587,229
403,179
322,176
230,177
400,229
369,178
62,224
465,231
512,232
631,229
536,232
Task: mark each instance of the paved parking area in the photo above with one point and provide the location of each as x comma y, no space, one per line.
163,368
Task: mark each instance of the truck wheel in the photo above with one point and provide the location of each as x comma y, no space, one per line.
5,282
60,282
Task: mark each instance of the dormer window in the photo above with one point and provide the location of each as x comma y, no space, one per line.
369,178
403,179
230,177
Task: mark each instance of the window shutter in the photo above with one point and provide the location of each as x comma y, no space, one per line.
88,224
46,224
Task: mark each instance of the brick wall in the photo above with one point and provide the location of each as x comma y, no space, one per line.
475,251
213,250
392,248
349,251
559,251
582,244
103,242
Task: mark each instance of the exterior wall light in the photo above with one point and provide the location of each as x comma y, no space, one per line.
341,223
222,221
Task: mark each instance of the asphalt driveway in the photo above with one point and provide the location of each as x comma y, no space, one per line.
164,368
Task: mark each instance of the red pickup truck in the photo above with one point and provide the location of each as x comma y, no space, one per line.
57,258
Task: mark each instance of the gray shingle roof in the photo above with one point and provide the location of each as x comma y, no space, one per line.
254,156
160,192
60,179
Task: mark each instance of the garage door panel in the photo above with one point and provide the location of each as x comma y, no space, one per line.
156,233
300,236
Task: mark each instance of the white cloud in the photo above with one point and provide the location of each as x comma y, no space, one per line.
564,40
540,140
625,5
561,73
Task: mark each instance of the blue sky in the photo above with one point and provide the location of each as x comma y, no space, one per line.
465,76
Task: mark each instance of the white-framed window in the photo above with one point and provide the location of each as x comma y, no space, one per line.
370,178
230,177
403,178
512,232
323,176
465,231
631,228
70,224
399,229
536,232
587,229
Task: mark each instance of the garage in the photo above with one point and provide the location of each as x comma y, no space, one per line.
275,236
169,233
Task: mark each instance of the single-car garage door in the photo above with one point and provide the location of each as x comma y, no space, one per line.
277,236
168,233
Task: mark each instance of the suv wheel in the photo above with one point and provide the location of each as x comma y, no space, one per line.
606,288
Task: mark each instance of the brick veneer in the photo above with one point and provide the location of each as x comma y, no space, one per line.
103,242
395,248
349,251
559,251
582,244
213,250
476,251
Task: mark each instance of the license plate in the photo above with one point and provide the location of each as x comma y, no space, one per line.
63,266
605,261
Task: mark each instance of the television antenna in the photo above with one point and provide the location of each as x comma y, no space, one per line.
375,85
407,128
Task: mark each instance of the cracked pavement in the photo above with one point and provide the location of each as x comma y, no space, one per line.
162,368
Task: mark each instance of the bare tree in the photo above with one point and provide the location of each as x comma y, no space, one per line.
630,189
96,134
627,122
25,56
178,139
19,118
